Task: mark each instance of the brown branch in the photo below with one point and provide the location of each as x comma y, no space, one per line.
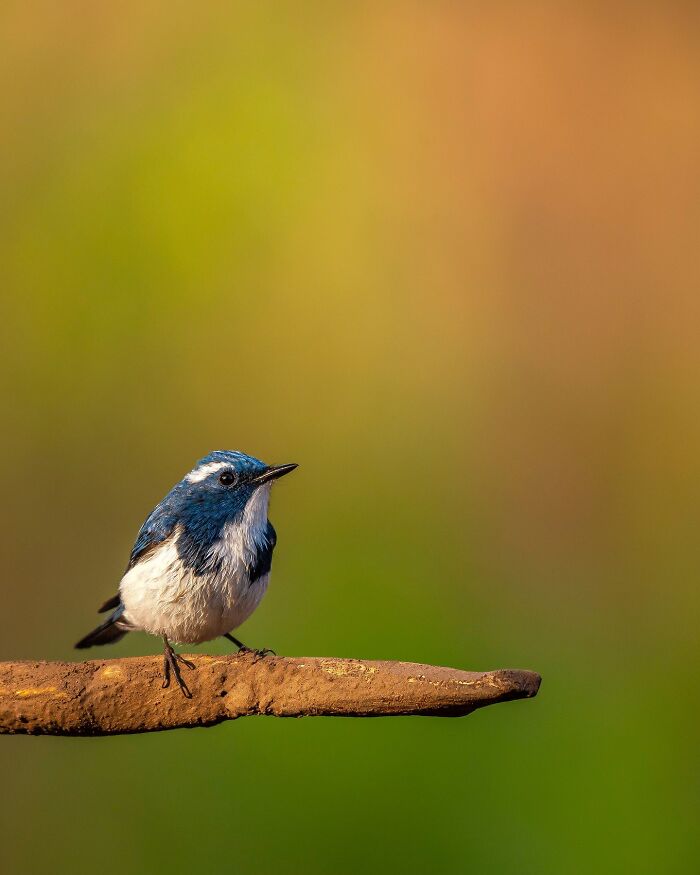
125,695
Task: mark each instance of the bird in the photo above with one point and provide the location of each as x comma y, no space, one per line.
201,561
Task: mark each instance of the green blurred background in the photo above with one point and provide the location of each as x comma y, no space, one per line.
445,256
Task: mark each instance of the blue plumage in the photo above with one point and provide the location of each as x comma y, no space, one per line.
201,508
202,559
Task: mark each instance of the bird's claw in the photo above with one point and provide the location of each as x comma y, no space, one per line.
186,662
258,654
170,663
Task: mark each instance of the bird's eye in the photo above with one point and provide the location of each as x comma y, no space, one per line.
227,478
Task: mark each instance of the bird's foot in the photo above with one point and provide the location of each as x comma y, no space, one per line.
181,658
171,661
258,654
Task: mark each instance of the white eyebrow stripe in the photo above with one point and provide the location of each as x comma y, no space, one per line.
201,473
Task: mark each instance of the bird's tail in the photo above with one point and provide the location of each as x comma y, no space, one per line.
106,633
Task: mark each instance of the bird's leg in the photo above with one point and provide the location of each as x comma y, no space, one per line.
170,663
259,654
239,644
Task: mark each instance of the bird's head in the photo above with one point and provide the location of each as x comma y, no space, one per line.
225,481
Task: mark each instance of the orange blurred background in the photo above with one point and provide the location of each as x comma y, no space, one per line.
446,258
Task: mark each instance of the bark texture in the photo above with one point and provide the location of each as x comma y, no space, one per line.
110,697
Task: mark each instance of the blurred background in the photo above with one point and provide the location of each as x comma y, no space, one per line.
445,256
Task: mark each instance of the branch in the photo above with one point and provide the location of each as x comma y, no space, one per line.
125,695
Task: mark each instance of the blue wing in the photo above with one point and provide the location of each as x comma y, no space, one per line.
158,527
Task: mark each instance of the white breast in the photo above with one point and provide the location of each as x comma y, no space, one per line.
163,597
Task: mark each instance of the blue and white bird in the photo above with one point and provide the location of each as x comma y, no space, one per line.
201,562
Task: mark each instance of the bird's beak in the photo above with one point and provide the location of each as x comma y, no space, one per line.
273,472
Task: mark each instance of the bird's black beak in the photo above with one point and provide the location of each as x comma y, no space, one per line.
273,472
